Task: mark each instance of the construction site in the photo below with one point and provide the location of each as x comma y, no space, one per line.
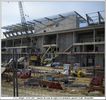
61,55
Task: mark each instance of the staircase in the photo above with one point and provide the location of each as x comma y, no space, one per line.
56,55
68,48
42,58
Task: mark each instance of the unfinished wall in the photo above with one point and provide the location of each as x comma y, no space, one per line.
85,37
39,43
61,58
9,43
64,41
99,48
3,43
70,59
68,23
99,60
49,39
82,59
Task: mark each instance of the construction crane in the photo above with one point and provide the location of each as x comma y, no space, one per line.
23,20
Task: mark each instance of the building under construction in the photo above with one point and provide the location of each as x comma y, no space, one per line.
65,38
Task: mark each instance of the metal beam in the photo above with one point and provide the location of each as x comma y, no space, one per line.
61,16
12,34
16,33
32,23
48,18
51,20
5,34
38,22
100,17
64,31
89,19
80,16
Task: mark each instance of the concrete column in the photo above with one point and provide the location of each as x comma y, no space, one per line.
21,41
13,43
6,43
83,48
57,41
73,40
94,39
42,44
31,41
73,37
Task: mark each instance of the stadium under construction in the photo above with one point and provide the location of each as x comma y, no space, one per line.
54,47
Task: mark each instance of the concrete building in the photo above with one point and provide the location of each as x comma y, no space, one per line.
66,38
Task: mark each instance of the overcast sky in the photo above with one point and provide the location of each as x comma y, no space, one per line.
11,14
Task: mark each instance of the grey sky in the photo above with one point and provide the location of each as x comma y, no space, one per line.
11,15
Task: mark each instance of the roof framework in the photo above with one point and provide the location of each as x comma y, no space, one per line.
35,26
95,18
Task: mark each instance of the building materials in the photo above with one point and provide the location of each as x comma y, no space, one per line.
96,84
24,74
31,82
55,85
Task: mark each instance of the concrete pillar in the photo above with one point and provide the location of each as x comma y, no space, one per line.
21,41
73,40
6,43
73,37
13,43
56,41
82,48
31,41
94,39
43,40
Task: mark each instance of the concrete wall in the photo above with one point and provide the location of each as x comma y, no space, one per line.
39,43
100,48
67,23
64,41
61,58
87,37
99,60
70,59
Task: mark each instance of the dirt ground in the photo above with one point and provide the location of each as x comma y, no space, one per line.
7,89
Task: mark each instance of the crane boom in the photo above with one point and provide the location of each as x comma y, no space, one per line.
23,20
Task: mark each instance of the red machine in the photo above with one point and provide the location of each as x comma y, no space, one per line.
24,74
96,84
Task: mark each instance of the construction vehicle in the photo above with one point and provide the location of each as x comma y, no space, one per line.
78,73
34,60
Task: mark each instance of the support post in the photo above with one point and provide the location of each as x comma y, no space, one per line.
94,39
21,41
56,42
16,83
13,43
83,48
94,51
73,40
15,78
13,75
